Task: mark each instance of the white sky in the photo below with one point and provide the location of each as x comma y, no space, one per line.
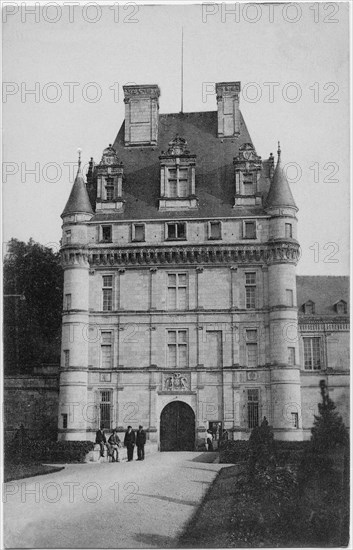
311,52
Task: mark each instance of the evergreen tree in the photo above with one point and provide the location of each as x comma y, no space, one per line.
329,430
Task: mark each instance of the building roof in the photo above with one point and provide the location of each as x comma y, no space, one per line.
280,194
78,202
324,291
215,187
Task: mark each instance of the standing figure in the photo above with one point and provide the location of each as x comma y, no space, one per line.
224,438
129,442
113,443
209,440
140,443
101,440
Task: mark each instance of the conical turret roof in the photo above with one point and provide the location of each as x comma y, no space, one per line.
78,202
280,194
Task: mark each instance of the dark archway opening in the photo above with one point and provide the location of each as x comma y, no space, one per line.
177,427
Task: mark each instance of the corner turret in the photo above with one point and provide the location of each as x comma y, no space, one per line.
78,202
280,195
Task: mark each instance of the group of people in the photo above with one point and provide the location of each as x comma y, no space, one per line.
131,440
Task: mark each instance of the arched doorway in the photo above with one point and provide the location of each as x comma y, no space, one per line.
177,428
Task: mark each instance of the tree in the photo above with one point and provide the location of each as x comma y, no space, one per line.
261,454
329,431
33,282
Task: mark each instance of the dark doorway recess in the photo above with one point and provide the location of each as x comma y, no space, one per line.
177,429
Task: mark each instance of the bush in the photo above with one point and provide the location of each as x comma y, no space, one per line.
290,452
24,450
286,452
233,452
261,449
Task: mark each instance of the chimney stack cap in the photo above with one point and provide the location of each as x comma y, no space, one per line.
142,90
228,88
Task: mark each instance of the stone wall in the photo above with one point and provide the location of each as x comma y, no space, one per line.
32,400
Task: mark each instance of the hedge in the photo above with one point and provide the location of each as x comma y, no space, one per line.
48,451
233,452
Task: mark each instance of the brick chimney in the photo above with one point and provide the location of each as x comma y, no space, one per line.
228,109
141,114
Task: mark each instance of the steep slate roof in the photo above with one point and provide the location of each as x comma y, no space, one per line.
323,291
215,187
280,193
78,202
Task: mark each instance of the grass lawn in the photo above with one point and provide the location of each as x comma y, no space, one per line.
20,471
266,512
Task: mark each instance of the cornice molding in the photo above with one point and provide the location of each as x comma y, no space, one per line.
283,252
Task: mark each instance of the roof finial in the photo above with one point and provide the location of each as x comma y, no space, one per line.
279,150
79,150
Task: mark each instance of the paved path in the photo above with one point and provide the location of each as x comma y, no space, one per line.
111,505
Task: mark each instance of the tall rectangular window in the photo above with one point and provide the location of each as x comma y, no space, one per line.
107,292
253,408
288,230
138,232
214,230
250,290
105,409
109,192
106,349
177,348
177,291
66,357
68,301
178,184
68,236
251,354
291,356
289,297
176,231
64,419
312,353
249,230
294,420
107,233
251,348
248,186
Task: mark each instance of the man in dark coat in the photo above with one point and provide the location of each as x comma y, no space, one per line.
129,442
101,440
113,445
140,443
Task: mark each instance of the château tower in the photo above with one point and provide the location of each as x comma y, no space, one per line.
180,308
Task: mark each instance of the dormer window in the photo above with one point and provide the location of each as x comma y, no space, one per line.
341,307
109,189
309,308
177,177
109,181
247,167
178,184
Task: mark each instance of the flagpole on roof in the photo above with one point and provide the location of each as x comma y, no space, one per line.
182,70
